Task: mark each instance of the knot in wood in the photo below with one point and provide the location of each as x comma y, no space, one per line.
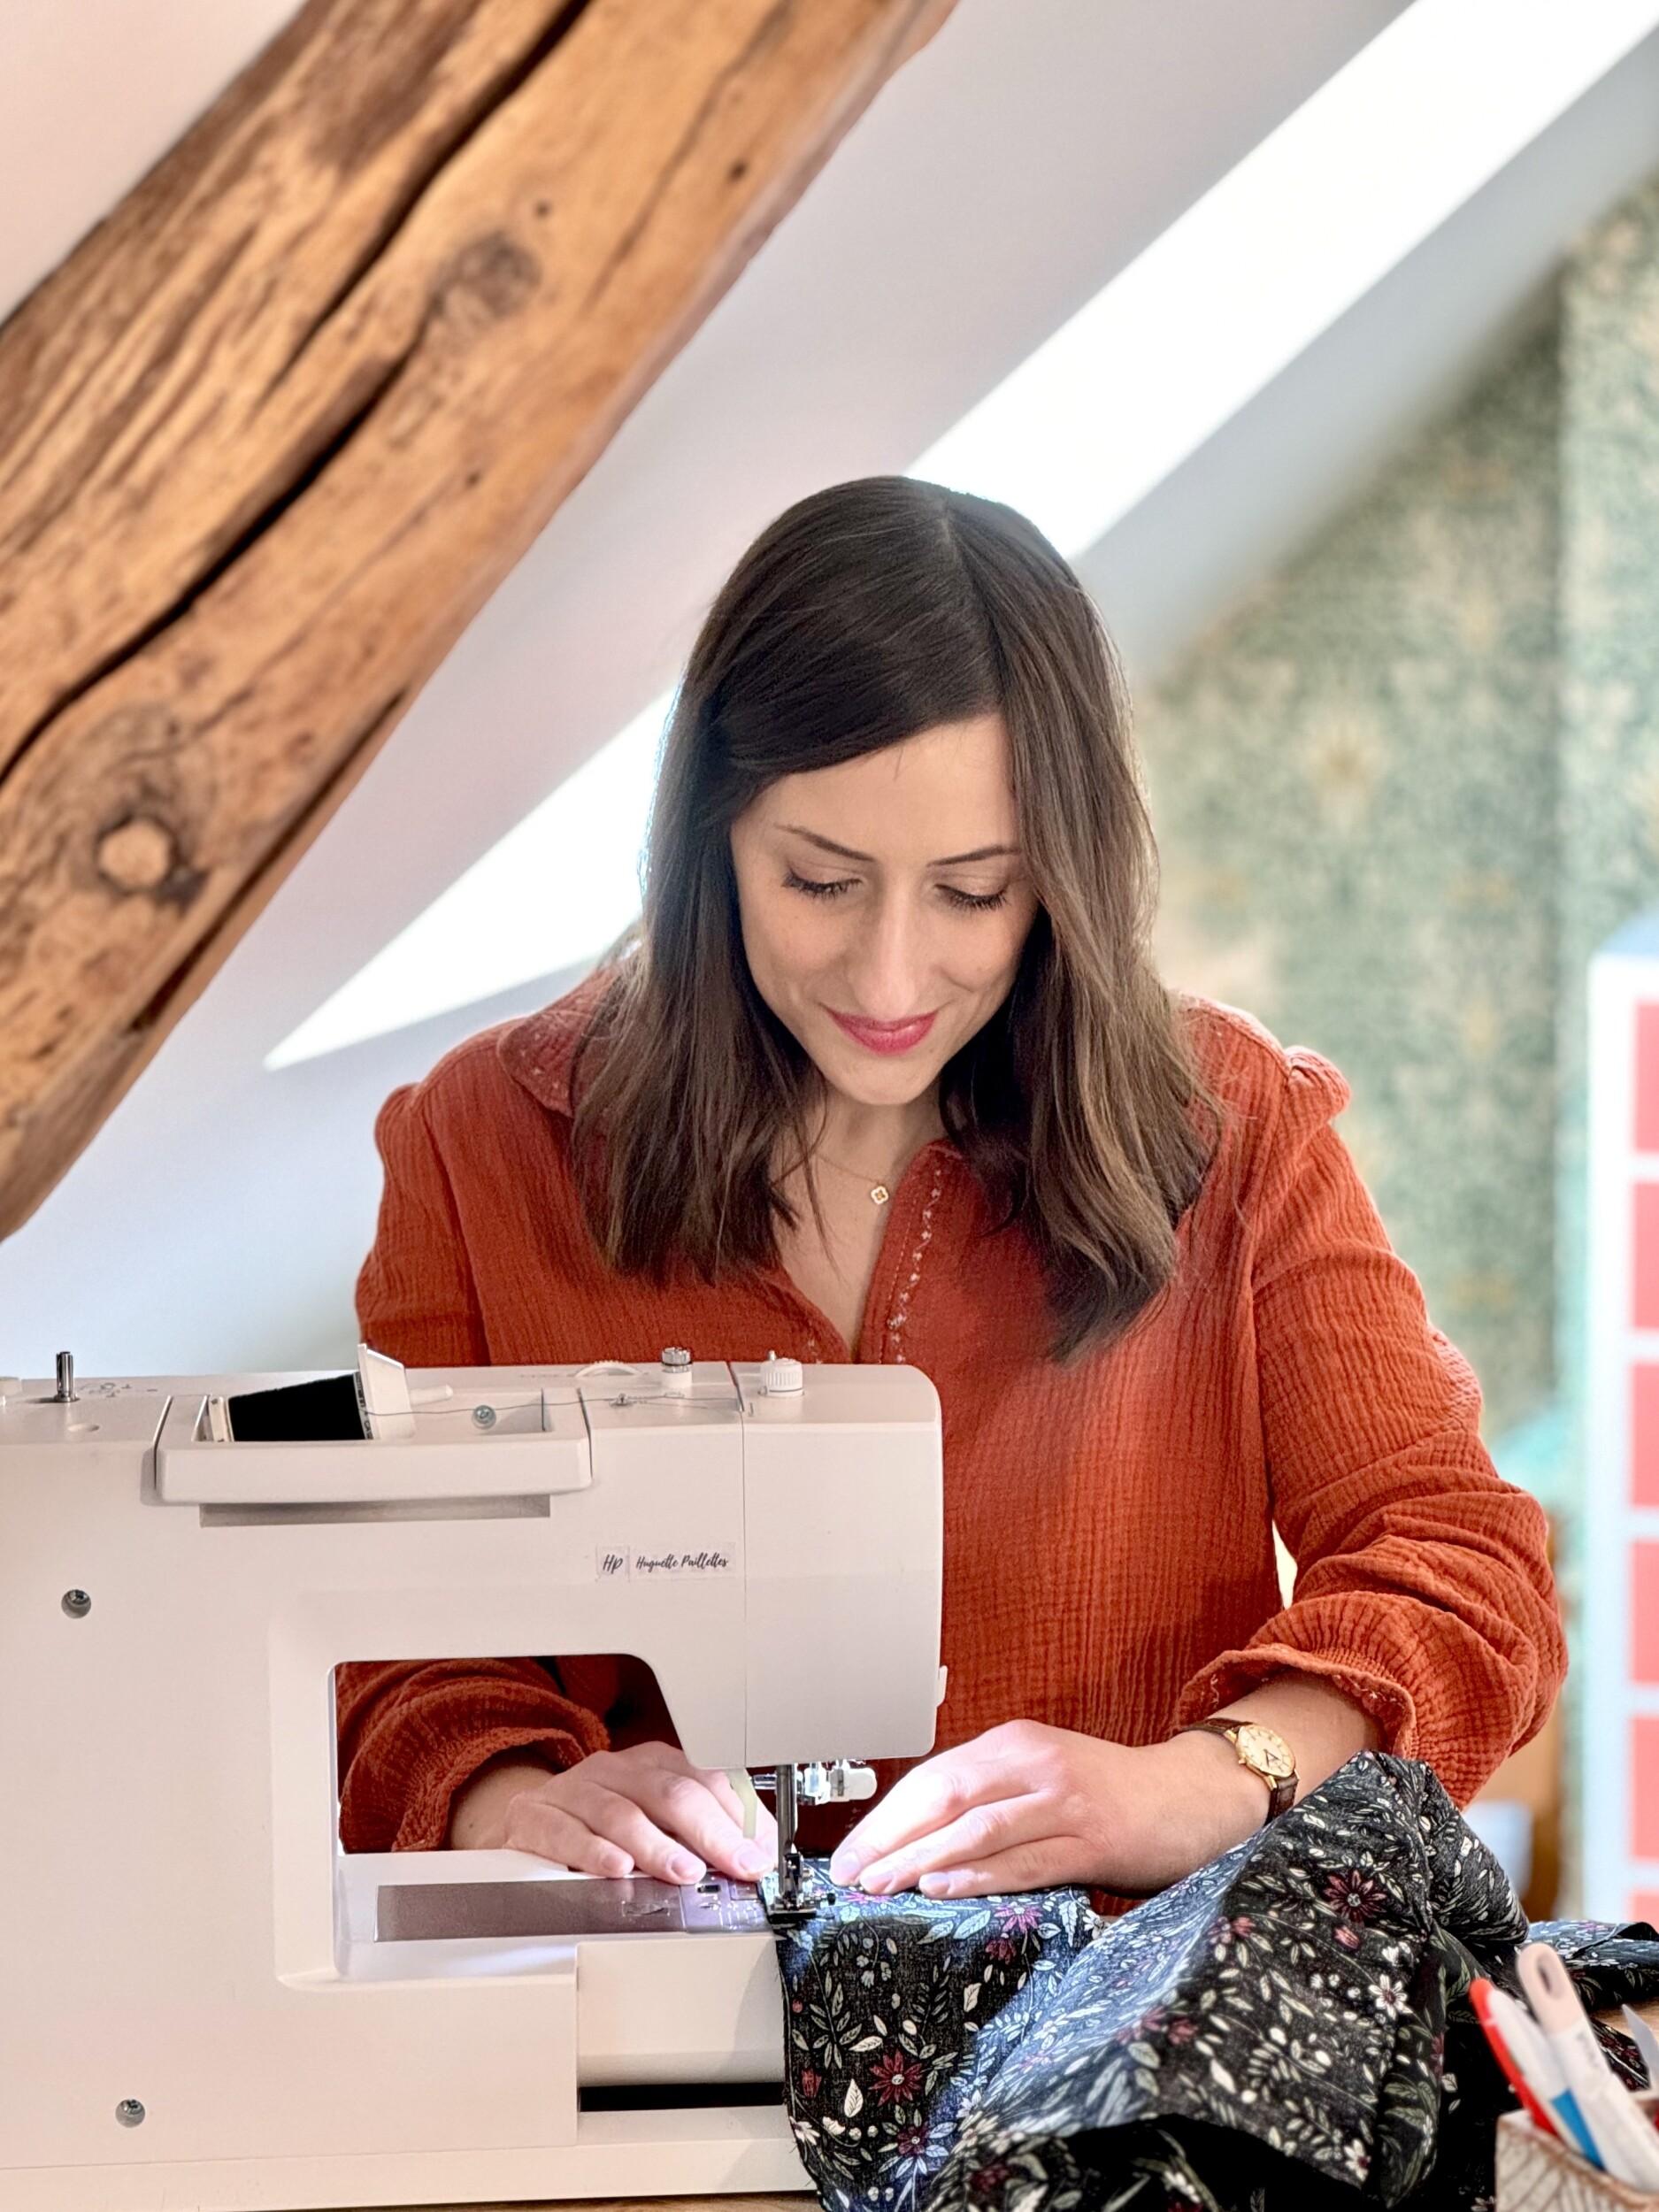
139,854
494,274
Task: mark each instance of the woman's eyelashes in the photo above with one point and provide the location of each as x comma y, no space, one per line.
830,888
815,889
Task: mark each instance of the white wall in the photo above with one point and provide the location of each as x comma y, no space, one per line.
91,92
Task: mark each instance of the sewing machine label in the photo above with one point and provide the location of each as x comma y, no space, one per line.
633,1563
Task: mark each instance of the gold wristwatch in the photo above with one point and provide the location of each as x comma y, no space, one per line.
1264,1751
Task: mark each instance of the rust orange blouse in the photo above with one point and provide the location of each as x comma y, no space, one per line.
1109,1551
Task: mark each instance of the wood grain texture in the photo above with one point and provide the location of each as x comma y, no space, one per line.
274,432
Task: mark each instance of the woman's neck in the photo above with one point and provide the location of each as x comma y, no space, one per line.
830,1248
879,1141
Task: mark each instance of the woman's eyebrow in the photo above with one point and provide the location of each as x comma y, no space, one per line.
981,852
846,852
828,844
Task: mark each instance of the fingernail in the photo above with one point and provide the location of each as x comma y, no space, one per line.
683,1868
844,1868
753,1859
935,1885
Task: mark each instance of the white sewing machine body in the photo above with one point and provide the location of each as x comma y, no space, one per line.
205,2002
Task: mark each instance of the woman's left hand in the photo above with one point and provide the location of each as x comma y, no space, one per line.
1030,1807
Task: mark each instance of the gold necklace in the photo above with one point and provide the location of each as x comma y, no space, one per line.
880,1193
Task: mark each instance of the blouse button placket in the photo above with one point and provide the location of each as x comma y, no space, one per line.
900,1309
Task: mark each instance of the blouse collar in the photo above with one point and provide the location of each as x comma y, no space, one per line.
538,1051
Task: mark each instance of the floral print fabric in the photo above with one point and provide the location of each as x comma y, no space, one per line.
1283,2028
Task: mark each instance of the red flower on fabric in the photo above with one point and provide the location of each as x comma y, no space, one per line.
999,1948
810,2083
1356,1896
1017,1919
896,2078
1349,1937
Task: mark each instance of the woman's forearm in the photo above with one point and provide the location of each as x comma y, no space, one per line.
478,1817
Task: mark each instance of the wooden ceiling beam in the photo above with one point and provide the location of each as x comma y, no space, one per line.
273,433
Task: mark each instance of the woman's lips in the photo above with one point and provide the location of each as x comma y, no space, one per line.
884,1036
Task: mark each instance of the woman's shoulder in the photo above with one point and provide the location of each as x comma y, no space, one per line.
538,1051
1270,1100
505,1071
1244,1066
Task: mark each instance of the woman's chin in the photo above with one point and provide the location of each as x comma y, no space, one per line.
870,1079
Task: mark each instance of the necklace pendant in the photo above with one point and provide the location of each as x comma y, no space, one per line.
879,1194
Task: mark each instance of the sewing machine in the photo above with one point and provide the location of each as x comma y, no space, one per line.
204,2003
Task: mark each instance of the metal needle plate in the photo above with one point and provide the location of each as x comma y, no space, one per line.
432,1911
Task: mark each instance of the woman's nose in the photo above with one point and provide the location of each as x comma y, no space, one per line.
889,960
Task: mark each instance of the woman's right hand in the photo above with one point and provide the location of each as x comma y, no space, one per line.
643,1810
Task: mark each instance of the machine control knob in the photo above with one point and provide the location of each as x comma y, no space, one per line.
779,1378
676,1358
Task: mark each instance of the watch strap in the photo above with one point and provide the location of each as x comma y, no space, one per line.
1281,1789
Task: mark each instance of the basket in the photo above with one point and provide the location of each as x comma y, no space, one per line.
1536,2173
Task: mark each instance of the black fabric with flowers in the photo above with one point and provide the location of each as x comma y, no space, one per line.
1288,2027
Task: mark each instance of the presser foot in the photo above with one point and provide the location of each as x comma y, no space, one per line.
795,1891
790,1898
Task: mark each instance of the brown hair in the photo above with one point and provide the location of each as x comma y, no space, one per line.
866,614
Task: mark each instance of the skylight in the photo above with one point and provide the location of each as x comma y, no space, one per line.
1310,221
1117,398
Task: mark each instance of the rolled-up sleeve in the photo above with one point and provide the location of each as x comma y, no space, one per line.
1424,1589
411,1734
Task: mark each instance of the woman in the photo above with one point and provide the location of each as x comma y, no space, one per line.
888,1076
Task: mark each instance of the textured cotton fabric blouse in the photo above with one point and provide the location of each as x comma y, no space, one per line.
1109,1523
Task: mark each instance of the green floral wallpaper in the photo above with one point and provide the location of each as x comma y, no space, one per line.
1609,590
1354,785
1610,631
1405,793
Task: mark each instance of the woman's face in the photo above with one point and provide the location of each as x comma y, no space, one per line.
884,904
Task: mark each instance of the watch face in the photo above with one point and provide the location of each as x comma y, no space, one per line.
1265,1750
